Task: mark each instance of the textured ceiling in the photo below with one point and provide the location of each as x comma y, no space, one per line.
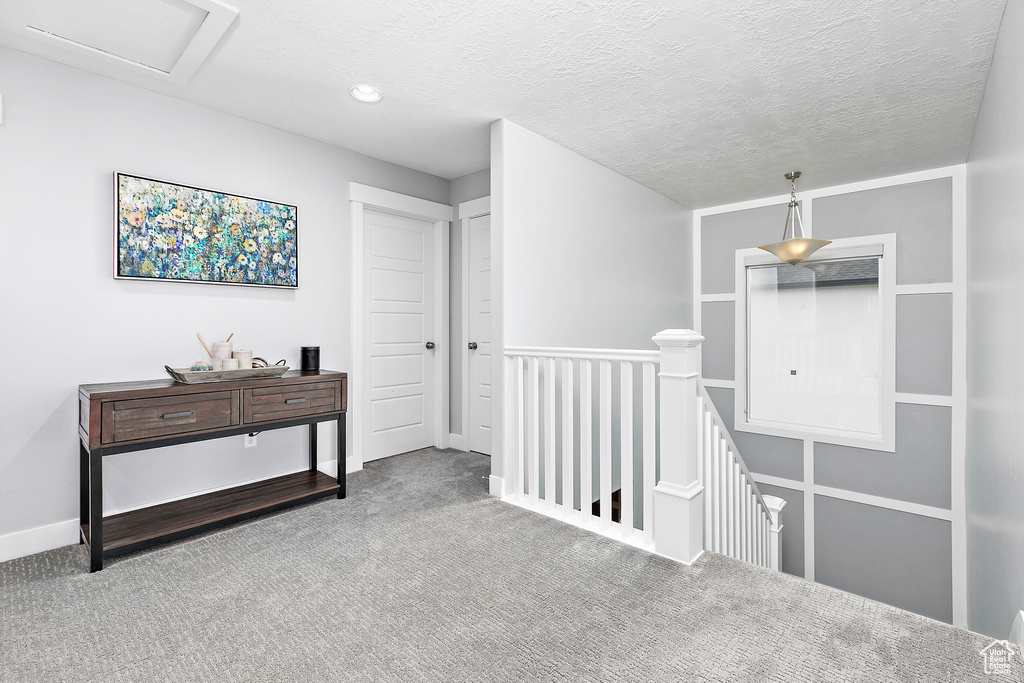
707,102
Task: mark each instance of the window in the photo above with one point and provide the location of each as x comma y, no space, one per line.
816,344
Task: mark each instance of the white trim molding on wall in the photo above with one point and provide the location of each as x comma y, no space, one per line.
474,208
956,515
363,197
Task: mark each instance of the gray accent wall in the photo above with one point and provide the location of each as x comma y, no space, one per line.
918,472
924,344
718,325
995,361
822,543
886,555
919,214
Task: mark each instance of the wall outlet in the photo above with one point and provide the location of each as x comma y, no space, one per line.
250,441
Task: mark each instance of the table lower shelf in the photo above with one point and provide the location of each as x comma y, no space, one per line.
139,529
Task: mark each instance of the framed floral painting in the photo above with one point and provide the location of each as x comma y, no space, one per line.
165,231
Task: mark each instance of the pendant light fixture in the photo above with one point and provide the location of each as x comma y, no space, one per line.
795,249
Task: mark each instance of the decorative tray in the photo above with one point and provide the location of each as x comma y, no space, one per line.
187,376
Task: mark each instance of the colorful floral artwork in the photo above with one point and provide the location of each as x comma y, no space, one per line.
176,232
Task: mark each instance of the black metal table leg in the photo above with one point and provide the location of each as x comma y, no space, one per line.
95,511
312,446
342,459
83,488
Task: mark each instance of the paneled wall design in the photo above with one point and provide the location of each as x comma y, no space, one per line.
889,526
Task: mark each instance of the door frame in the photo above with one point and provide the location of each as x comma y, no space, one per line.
362,197
474,208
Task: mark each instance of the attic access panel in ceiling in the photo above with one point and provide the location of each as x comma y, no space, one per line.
167,39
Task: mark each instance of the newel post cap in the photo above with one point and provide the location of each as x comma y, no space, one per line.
677,338
775,505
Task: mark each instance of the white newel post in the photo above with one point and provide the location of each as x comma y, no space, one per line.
775,505
679,494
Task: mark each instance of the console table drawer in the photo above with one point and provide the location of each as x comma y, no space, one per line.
146,418
295,400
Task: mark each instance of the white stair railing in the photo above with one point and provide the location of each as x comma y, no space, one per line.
566,459
563,426
738,520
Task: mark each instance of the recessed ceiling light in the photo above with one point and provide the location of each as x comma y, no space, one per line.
365,93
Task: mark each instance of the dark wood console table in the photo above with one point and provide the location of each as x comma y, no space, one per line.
134,416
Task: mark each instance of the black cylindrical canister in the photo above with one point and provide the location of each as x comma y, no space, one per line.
310,357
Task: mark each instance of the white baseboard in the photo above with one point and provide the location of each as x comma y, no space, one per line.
32,541
458,442
352,464
497,487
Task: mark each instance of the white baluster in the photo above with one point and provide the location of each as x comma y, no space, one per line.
586,440
720,492
743,516
709,475
520,428
757,533
730,506
626,446
605,440
533,435
550,497
748,524
766,523
649,451
568,465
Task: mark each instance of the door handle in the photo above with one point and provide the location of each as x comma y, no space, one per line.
472,346
430,345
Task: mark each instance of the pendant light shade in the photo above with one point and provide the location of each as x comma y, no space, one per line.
796,249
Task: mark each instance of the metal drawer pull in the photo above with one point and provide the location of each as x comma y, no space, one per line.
169,416
296,400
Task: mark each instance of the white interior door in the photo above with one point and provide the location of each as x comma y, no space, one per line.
480,334
398,290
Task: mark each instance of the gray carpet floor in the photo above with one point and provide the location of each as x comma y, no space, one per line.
420,576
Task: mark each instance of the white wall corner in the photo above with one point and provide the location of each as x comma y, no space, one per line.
1017,630
31,541
458,442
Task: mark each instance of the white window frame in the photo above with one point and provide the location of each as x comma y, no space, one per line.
883,246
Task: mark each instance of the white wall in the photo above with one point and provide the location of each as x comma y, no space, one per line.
581,257
68,322
995,464
592,259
